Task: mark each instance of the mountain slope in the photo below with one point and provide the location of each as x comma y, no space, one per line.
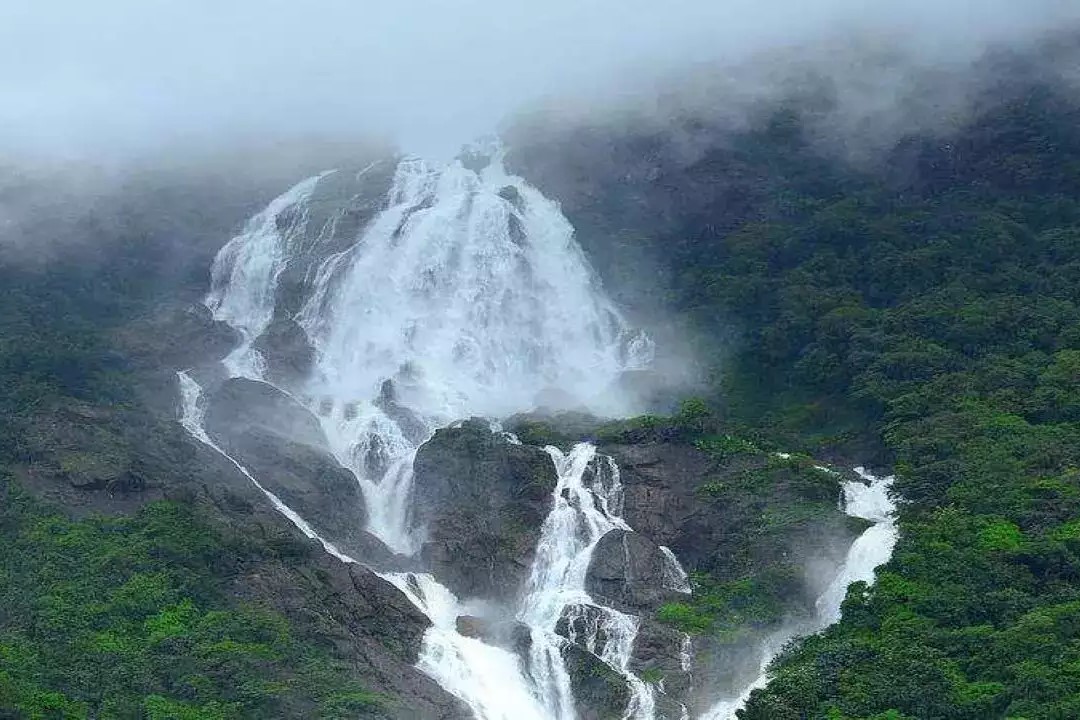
922,312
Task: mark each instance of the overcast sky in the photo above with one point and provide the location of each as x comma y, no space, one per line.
97,78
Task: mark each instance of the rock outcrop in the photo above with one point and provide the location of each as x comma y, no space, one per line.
282,444
85,460
482,500
600,693
628,572
288,354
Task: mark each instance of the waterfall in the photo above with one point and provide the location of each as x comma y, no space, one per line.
582,514
244,276
465,294
868,500
874,547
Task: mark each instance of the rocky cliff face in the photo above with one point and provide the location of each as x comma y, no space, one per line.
280,442
760,529
96,459
482,499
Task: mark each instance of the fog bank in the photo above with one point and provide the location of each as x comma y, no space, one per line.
116,79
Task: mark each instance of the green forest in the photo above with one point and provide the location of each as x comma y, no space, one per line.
928,319
129,616
922,315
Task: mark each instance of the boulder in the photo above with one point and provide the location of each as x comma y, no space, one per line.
239,405
412,427
628,572
583,625
510,634
658,657
482,500
288,354
600,691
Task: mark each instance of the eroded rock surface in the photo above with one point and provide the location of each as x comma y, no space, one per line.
282,444
483,500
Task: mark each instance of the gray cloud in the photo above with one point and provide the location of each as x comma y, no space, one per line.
120,78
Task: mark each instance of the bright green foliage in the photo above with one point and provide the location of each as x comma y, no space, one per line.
922,312
125,617
729,609
726,446
936,322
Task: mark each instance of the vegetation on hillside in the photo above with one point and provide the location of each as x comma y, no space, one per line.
923,313
946,310
129,617
937,315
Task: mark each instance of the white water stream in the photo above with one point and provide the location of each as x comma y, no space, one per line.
868,500
469,294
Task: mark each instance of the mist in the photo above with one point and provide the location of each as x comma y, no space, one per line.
110,81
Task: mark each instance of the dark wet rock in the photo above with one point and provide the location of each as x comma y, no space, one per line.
240,404
509,634
749,517
600,692
714,514
661,498
628,572
313,484
282,444
412,427
474,627
346,608
483,500
288,354
512,195
584,625
657,657
475,158
516,230
359,618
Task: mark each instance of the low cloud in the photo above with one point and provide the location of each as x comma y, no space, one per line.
116,79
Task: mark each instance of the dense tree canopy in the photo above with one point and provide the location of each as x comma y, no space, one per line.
919,310
935,315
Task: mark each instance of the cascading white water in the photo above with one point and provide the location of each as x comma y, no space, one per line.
244,276
675,577
468,291
489,679
466,295
470,294
581,515
868,500
873,548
